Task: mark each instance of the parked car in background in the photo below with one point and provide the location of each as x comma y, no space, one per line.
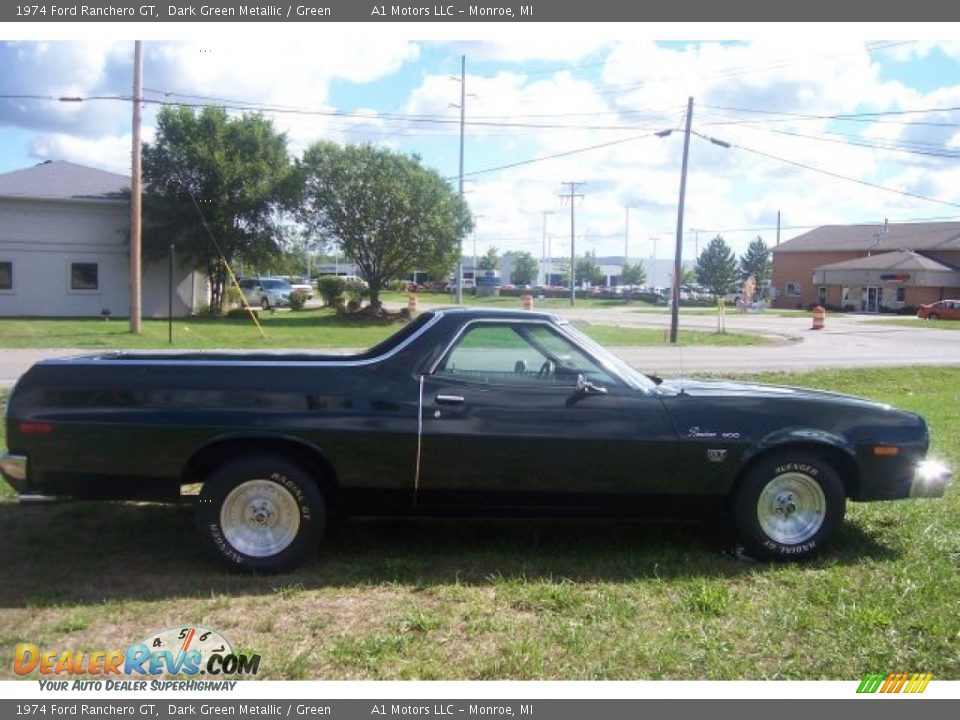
266,292
297,282
943,310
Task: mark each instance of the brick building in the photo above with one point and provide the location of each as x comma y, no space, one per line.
868,268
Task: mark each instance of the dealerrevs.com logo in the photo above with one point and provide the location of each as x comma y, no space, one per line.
910,683
190,650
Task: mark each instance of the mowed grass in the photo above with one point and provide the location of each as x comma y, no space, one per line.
452,599
310,329
619,336
915,322
282,329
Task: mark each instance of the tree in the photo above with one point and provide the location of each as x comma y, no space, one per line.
209,171
490,260
388,213
587,270
756,262
717,268
525,269
633,274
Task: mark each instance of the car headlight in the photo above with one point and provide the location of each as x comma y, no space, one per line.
930,478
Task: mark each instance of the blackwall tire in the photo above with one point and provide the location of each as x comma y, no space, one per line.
265,303
261,513
788,506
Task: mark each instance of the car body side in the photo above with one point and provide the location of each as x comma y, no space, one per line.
142,426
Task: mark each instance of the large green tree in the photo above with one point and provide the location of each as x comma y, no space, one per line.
215,187
717,267
756,262
633,274
587,270
525,269
388,213
490,260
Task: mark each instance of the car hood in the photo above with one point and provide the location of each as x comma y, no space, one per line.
730,388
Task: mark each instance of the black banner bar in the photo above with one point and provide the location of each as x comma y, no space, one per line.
732,11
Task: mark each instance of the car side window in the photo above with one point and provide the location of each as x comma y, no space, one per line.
519,354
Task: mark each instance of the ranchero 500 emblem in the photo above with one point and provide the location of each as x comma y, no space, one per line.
716,455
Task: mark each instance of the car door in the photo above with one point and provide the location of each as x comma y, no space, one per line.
504,424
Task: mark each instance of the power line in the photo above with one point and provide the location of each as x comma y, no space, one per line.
553,156
838,176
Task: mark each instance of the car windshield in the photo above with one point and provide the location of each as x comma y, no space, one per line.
633,377
275,285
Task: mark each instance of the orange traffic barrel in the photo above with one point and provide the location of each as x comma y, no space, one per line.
819,318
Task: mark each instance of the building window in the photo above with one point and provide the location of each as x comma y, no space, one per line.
84,276
822,295
901,294
6,275
794,289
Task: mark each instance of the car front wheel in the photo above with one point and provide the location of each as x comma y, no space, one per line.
265,303
788,506
260,513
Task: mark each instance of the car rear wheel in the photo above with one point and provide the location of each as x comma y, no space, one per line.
260,513
788,506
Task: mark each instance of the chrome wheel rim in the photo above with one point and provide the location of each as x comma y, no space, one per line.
791,508
260,518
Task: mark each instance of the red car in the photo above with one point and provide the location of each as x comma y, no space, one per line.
943,310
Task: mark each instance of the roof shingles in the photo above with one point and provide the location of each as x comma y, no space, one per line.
62,180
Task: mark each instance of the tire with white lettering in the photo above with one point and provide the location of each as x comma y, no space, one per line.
788,506
261,513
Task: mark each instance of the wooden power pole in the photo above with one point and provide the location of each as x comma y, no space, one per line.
135,198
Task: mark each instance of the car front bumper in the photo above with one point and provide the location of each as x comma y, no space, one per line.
13,468
930,479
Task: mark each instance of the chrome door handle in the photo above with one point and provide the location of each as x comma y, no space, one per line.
450,399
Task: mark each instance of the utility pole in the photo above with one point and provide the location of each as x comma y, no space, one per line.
678,251
463,106
778,227
626,237
572,196
475,218
135,199
543,252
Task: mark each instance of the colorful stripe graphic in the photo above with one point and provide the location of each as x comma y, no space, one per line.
895,683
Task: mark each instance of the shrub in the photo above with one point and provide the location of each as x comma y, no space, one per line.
298,298
331,289
234,297
356,290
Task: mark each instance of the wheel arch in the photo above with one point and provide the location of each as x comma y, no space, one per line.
309,456
832,450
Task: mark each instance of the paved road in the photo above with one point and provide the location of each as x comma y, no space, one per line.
847,341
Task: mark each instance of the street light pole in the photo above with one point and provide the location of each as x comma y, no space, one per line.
678,248
543,251
463,105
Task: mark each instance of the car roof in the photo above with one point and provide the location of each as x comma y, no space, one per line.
496,314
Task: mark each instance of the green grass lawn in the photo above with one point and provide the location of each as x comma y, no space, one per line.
312,329
283,329
618,336
915,322
454,599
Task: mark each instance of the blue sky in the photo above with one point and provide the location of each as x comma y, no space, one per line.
775,98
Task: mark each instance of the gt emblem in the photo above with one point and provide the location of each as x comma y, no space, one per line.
716,456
